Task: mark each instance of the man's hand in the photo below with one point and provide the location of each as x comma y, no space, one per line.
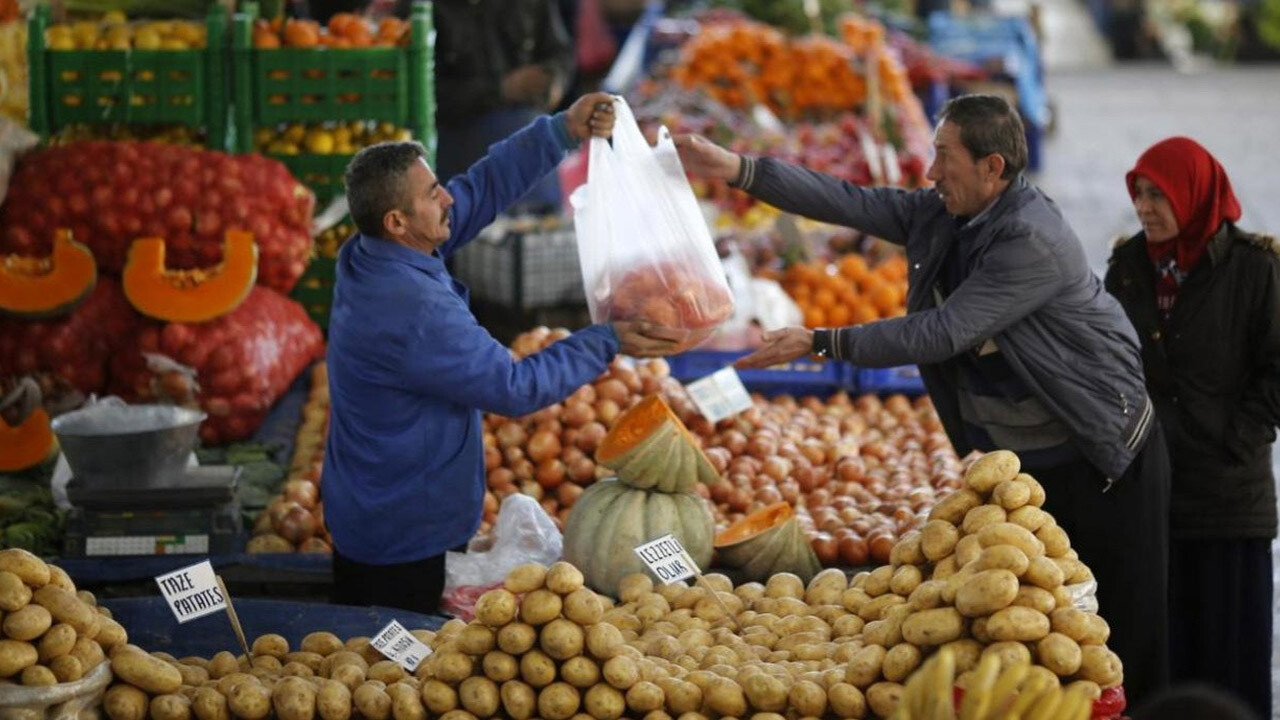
591,114
527,85
644,339
703,158
779,346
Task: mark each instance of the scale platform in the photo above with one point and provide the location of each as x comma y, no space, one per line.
196,513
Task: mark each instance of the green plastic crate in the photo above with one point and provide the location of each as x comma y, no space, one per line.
100,87
287,85
314,290
322,173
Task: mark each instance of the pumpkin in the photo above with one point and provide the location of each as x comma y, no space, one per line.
190,295
649,448
767,542
26,438
36,288
611,518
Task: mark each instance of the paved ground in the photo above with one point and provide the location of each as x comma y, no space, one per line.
1107,115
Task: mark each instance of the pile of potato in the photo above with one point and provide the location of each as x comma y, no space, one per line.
50,633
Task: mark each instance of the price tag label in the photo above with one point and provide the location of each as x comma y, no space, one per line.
667,560
720,394
192,592
400,646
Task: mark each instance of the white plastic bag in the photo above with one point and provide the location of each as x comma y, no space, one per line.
523,534
644,246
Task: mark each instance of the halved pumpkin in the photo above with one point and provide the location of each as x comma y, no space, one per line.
649,448
43,287
30,441
190,295
767,542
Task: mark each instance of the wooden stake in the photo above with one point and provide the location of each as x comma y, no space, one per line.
719,602
235,619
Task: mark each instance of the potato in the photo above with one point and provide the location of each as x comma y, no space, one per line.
831,579
953,507
125,702
907,550
537,669
526,578
1011,495
1002,557
1036,598
30,569
438,697
886,632
1007,533
27,623
517,638
372,701
146,672
1045,573
110,634
59,578
1059,653
518,700
267,663
458,715
884,698
1037,491
500,667
540,607
476,640
222,664
633,586
938,539
57,641
209,704
945,568
990,470
66,668
982,516
479,696
333,699
877,583
621,672
604,703
1018,624
1056,542
645,697
250,700
933,627
725,698
451,666
846,701
296,669
763,691
561,639
986,592
496,608
1030,517
900,661
406,704
563,578
1100,665
14,594
171,706
682,696
583,607
38,676
558,701
386,671
271,644
1098,631
321,643
966,651
865,667
603,640
1062,597
1073,571
875,609
65,607
192,675
1009,653
353,676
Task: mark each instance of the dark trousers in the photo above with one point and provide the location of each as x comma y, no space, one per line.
1220,616
1123,536
415,586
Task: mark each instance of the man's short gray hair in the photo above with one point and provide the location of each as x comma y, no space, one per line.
375,180
989,126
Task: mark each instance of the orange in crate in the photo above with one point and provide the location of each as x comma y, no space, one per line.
847,292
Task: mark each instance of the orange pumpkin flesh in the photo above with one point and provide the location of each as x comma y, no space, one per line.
41,287
28,444
190,295
649,448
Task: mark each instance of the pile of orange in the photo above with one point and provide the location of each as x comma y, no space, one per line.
848,292
742,63
345,30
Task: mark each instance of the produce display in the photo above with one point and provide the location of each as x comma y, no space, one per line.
847,292
26,439
190,295
51,632
328,241
111,193
244,361
294,520
344,30
36,288
174,134
14,101
114,32
332,138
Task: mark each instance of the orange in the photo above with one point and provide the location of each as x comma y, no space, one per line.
853,266
814,317
885,298
839,315
863,313
301,33
824,298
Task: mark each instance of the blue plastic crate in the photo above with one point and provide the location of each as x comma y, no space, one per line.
888,381
800,377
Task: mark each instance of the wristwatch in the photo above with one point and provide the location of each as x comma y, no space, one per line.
822,346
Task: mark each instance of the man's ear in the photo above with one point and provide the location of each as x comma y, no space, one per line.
393,223
995,166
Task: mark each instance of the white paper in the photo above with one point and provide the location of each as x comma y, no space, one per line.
667,560
399,645
720,394
192,592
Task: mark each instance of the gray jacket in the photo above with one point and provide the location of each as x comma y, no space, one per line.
1028,289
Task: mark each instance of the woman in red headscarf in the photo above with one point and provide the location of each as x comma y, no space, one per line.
1204,297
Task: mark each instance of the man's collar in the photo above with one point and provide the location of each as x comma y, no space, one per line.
391,250
982,217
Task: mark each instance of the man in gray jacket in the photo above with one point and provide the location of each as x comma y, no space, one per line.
1019,345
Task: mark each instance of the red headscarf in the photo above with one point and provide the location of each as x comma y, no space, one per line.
1197,188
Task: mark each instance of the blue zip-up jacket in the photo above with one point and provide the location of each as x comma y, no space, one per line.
410,371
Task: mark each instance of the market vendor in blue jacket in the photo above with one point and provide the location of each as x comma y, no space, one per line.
410,369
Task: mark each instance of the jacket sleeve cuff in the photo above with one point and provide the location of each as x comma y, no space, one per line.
610,337
746,174
841,343
560,128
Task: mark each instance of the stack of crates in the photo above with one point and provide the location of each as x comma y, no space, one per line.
145,87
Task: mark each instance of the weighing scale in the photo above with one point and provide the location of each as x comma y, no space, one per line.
198,513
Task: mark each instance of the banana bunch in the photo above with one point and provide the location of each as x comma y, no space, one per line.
1017,693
